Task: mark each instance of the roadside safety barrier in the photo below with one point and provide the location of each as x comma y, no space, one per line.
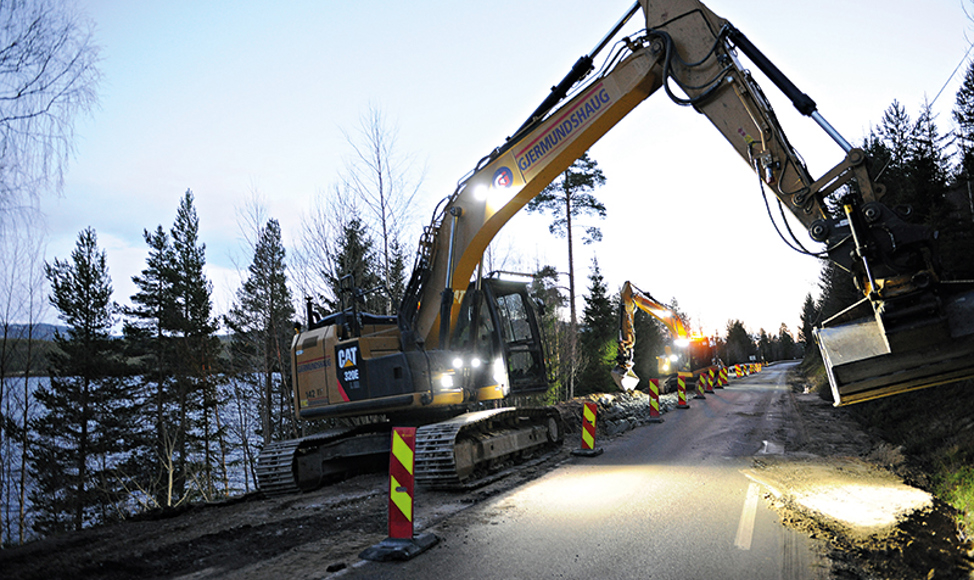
654,416
681,393
708,384
588,449
401,544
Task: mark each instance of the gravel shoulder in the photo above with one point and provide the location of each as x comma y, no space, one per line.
862,498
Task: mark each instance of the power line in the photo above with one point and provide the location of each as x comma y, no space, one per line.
952,74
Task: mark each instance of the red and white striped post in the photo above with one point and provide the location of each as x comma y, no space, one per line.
401,544
589,414
681,393
654,416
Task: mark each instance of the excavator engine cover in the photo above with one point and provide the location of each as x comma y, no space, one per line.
865,362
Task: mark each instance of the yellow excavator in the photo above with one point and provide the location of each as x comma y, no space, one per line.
463,341
671,362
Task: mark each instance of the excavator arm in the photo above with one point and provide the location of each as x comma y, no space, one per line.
631,298
898,337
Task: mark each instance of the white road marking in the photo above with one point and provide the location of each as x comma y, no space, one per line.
771,448
745,530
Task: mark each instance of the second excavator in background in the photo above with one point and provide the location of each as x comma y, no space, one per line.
686,355
464,342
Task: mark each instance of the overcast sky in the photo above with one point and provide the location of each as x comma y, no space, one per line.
226,98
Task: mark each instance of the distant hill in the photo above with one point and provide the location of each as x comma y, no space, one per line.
42,331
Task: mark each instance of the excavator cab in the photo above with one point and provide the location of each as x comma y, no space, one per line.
499,324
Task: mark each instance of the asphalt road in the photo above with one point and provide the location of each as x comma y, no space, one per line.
664,501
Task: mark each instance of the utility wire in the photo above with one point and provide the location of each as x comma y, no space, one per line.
952,74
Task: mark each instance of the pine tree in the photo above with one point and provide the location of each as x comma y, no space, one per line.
261,320
544,288
766,346
739,346
568,198
174,332
958,229
194,328
786,343
86,422
809,318
351,258
964,117
147,332
396,283
598,337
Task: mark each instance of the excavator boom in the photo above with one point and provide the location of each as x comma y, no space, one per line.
461,340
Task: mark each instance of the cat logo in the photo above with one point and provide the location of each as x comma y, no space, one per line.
349,373
347,356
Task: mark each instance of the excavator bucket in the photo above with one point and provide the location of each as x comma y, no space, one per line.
865,361
625,379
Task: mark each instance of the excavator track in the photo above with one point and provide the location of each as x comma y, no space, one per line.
297,465
472,450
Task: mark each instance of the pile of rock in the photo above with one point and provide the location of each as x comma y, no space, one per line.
617,412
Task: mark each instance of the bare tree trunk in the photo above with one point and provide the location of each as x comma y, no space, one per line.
383,180
573,329
221,440
25,440
4,449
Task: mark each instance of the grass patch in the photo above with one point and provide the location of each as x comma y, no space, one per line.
955,485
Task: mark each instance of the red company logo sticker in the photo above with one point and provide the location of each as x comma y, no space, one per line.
503,177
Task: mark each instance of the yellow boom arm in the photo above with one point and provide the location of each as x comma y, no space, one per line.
693,54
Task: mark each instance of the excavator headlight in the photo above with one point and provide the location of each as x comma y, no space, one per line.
674,358
682,342
458,363
446,380
500,372
475,363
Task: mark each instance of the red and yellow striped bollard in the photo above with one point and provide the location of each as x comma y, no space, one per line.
723,377
681,393
401,544
401,482
708,384
589,414
699,394
654,416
